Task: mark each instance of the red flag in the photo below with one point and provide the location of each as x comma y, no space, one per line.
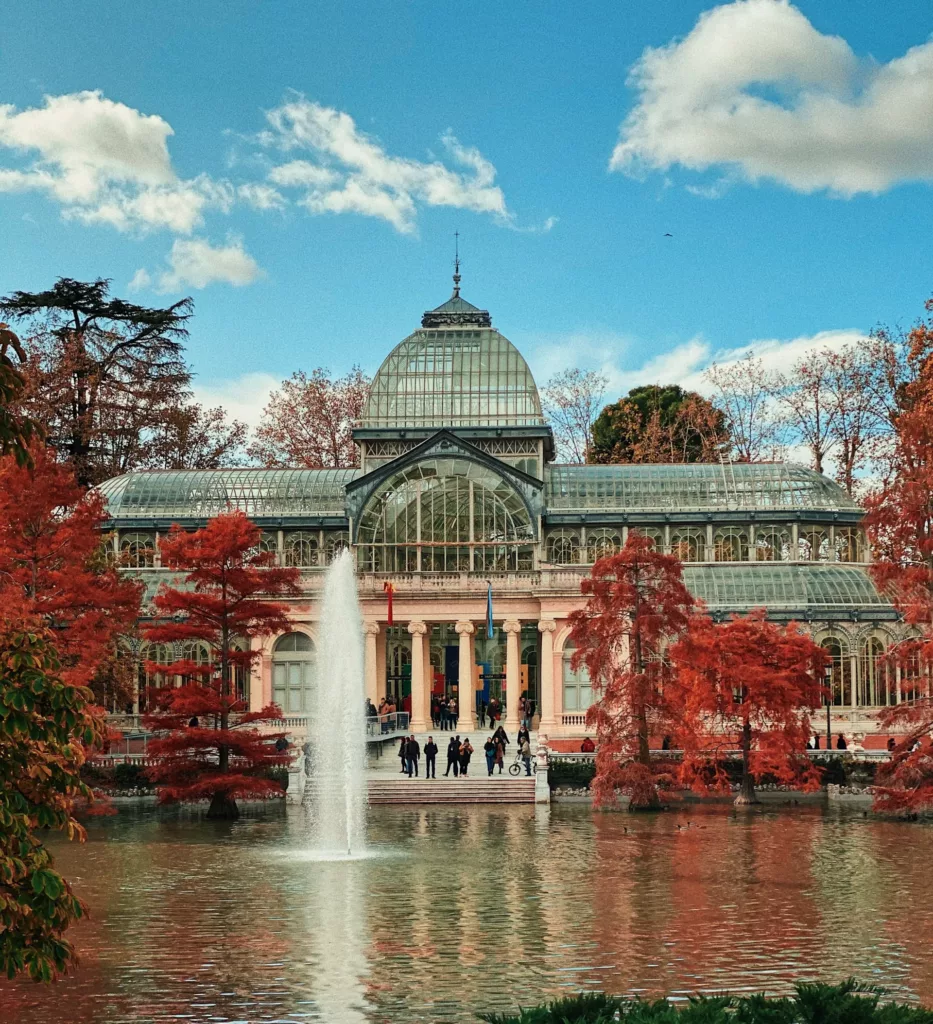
390,590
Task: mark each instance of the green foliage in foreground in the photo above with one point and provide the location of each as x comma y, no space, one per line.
848,1003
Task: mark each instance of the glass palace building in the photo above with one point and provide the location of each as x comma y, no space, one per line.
456,489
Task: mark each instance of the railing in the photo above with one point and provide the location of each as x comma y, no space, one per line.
377,726
573,719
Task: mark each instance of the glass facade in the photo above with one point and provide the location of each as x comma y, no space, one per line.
445,515
451,377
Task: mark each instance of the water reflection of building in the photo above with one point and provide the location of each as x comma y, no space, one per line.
457,487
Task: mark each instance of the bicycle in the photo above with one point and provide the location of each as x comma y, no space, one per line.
518,765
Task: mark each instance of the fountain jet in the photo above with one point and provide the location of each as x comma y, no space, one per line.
336,790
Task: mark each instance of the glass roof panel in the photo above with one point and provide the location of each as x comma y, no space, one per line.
453,377
699,487
775,586
203,493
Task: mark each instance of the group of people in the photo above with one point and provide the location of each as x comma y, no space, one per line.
814,744
458,756
444,713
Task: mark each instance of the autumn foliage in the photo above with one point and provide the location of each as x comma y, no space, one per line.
637,606
309,421
55,570
207,744
747,683
900,524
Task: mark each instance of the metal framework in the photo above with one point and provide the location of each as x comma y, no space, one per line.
445,515
776,586
453,377
683,488
198,494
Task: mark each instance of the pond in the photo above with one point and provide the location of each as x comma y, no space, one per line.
475,907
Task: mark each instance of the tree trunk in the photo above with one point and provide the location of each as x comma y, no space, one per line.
747,795
223,808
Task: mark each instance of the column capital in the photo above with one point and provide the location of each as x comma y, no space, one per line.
371,628
465,628
547,626
512,626
417,628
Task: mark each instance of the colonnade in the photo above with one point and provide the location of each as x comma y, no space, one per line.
419,631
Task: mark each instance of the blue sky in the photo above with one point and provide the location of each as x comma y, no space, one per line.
300,170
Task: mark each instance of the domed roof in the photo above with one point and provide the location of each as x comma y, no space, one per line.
457,371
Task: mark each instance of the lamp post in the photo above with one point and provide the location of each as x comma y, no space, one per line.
829,702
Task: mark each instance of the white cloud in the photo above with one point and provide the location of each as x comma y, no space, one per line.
626,365
243,397
195,263
260,196
106,163
352,172
140,282
756,88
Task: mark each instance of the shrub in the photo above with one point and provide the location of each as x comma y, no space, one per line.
578,774
130,776
847,1003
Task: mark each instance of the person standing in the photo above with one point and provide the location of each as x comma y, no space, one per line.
430,759
489,749
525,749
453,756
403,754
466,752
523,735
414,754
500,752
453,711
444,714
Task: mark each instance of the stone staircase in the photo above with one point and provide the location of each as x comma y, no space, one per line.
500,789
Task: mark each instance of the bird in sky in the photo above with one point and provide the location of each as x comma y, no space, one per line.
667,234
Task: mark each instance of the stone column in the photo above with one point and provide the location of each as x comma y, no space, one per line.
513,673
466,695
370,633
853,669
419,696
547,627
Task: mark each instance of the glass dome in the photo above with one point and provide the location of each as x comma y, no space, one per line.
457,371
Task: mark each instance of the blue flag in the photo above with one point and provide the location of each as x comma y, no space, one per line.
490,630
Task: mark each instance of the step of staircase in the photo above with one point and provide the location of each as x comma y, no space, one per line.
452,791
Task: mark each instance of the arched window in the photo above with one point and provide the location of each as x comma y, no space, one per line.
445,514
730,544
850,544
578,690
199,653
293,673
813,544
137,550
334,543
301,549
602,543
689,544
838,674
563,548
772,544
148,677
873,675
269,542
241,673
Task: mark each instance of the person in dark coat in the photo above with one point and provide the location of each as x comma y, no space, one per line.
489,749
466,752
444,715
413,754
523,735
453,756
841,742
501,734
430,758
403,754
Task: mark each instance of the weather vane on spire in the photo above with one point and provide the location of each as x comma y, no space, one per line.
456,294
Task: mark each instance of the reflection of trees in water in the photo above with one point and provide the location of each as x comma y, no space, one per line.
873,884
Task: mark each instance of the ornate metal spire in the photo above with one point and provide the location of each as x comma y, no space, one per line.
456,294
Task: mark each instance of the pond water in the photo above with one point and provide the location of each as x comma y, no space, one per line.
475,908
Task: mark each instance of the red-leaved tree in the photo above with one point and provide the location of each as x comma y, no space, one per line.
208,746
54,568
753,682
637,606
900,526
